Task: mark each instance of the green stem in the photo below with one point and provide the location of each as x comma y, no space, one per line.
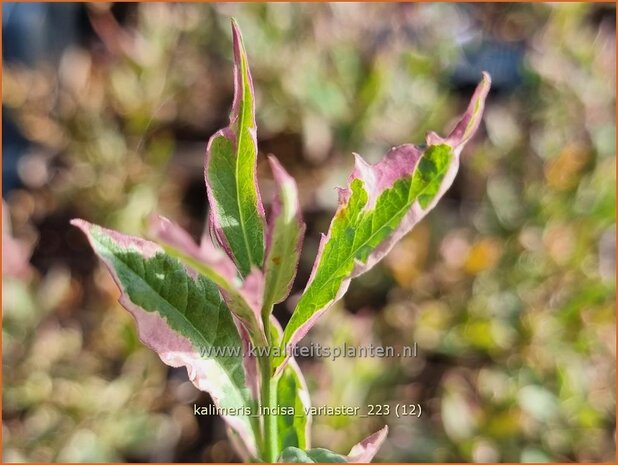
256,427
268,400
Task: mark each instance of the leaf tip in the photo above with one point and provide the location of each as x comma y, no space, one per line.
365,451
241,70
237,41
81,224
481,92
359,163
279,172
362,170
235,28
471,119
486,79
157,224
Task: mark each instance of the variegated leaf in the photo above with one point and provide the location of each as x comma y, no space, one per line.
380,205
230,171
181,316
284,238
244,298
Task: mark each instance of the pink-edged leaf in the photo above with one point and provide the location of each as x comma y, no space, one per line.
244,298
252,291
283,239
181,316
380,205
365,451
230,172
168,232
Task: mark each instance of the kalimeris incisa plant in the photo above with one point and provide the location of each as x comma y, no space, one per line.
208,306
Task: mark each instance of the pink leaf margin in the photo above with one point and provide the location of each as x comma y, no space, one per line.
365,451
399,162
228,133
173,349
164,230
246,294
283,180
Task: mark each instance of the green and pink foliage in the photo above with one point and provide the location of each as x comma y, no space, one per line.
202,306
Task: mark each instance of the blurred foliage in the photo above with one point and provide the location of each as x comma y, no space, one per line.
507,288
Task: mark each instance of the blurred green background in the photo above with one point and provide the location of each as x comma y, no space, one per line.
507,287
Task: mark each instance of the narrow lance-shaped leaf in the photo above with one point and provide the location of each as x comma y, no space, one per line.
382,203
244,300
284,238
230,172
181,316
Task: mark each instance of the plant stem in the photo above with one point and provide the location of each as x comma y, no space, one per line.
268,399
268,393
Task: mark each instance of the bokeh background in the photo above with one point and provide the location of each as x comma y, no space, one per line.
507,287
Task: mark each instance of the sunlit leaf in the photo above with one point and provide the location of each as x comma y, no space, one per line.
181,316
380,205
